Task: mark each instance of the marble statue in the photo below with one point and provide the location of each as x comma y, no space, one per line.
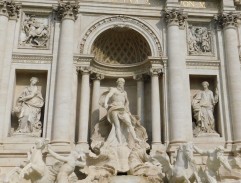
237,160
118,132
117,104
34,169
184,168
199,40
75,159
203,107
215,160
36,32
141,164
28,109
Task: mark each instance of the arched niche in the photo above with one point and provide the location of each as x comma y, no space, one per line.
121,22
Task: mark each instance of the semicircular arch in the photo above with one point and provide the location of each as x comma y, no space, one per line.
106,23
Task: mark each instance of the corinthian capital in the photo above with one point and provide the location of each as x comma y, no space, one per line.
227,20
9,9
84,69
176,17
155,71
67,10
97,76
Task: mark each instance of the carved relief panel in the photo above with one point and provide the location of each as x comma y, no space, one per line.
199,40
35,31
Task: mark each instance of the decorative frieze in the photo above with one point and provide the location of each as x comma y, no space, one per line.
227,20
176,17
9,9
32,59
35,32
199,40
67,10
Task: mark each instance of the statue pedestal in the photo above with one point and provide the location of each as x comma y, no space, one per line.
127,179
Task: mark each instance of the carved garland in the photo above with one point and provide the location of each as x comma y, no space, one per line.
124,19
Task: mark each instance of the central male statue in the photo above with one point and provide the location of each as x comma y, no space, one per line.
117,105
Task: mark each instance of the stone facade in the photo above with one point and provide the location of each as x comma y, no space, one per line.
178,62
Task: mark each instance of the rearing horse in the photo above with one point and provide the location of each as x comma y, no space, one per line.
183,170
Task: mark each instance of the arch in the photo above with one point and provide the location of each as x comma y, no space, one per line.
120,21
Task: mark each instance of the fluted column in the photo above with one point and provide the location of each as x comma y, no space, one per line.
140,96
10,18
155,107
179,118
95,113
84,107
67,12
228,22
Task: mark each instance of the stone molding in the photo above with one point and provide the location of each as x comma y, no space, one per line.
67,10
121,21
175,17
10,9
227,20
213,65
32,59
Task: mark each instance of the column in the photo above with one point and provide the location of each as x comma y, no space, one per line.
179,114
228,22
140,96
84,108
67,12
95,113
12,11
4,15
155,107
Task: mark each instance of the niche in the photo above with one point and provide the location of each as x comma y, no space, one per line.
28,103
205,106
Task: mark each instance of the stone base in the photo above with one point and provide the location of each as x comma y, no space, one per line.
128,179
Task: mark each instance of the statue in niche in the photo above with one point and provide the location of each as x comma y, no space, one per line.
119,131
36,32
28,110
199,40
214,161
75,158
203,107
184,170
117,105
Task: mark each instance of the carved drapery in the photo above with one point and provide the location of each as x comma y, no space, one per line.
67,10
176,17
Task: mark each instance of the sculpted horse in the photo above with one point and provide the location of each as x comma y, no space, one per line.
183,170
34,169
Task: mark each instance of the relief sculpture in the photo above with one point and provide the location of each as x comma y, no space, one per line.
35,32
28,110
199,41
